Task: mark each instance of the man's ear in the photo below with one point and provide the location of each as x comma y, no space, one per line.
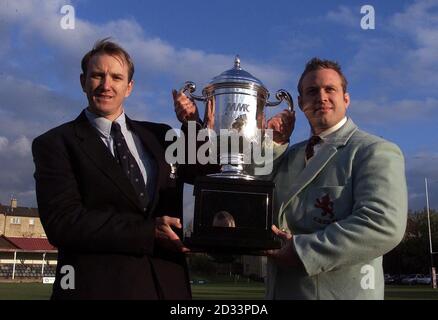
82,79
130,87
300,100
346,100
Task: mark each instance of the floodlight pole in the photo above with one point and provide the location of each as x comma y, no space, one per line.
432,268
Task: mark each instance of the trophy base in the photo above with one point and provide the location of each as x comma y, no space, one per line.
251,247
233,216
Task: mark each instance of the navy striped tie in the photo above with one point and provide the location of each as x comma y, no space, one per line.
129,165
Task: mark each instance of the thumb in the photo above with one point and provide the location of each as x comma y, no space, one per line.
282,234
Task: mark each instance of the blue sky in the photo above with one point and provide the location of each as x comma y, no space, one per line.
392,70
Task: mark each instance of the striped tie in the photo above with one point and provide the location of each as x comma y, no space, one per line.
313,141
129,165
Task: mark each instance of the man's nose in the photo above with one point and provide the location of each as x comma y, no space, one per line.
106,82
322,95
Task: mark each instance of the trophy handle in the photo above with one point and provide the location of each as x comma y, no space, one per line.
282,95
190,87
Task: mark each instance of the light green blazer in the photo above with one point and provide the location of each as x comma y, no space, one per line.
346,209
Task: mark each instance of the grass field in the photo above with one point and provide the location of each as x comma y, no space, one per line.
213,291
231,291
411,293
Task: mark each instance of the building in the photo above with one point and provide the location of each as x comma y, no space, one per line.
20,222
25,252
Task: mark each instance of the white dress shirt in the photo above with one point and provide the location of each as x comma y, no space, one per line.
324,134
145,161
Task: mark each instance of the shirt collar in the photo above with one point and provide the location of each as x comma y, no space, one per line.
336,127
103,125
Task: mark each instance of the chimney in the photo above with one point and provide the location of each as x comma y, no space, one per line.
14,203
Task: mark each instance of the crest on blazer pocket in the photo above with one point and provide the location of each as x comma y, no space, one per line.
324,205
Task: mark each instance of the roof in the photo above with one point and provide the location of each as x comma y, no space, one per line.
6,244
19,211
26,244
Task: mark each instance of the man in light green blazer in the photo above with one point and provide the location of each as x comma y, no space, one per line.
341,202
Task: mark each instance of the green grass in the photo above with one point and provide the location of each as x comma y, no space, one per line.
411,293
229,290
25,291
213,291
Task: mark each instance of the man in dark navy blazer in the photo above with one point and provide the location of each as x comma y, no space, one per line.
114,241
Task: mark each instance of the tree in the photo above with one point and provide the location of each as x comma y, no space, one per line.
412,255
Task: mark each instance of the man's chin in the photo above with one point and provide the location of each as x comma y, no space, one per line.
103,110
320,122
321,118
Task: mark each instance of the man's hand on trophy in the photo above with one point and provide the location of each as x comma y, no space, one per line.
166,237
286,256
282,125
185,108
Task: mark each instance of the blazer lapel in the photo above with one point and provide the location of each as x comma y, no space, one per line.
93,146
328,150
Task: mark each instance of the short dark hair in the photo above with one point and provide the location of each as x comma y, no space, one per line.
111,48
317,64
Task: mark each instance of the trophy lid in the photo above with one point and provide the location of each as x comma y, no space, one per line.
236,74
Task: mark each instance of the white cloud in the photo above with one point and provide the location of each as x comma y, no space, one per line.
419,166
16,170
156,62
29,109
402,54
382,111
421,15
420,22
22,147
18,148
26,111
344,15
419,159
3,143
40,20
158,56
19,10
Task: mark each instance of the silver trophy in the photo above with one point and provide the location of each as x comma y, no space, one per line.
235,103
234,210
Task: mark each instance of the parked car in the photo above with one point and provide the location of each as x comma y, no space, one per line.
416,279
426,279
198,281
389,279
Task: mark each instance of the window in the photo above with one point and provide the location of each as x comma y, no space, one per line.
15,220
31,222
